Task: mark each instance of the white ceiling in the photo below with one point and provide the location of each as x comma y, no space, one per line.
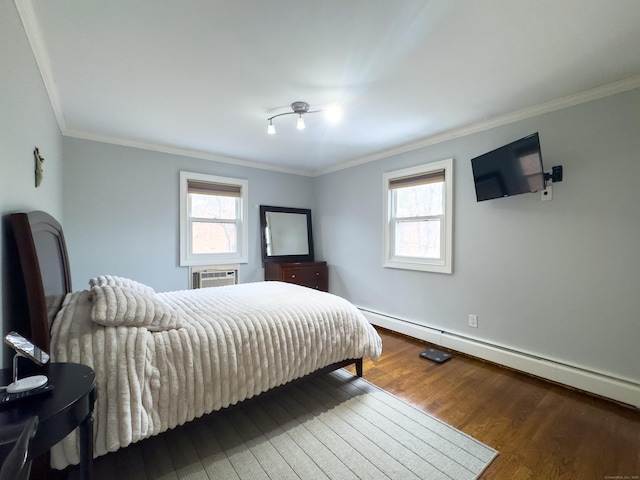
200,77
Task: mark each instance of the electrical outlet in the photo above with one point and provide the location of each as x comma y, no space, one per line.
547,193
473,321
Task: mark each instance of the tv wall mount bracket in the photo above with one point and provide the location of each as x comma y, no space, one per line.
555,176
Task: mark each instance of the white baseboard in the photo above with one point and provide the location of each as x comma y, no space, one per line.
582,379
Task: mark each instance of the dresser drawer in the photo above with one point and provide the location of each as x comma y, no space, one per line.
296,275
308,274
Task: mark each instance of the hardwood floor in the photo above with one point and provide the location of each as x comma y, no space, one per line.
542,430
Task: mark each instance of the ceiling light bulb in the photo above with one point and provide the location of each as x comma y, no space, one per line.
333,113
271,129
300,123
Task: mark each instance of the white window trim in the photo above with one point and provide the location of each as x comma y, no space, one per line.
189,259
444,265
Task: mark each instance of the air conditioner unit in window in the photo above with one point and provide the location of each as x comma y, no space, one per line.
214,278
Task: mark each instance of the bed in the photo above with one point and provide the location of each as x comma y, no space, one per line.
163,359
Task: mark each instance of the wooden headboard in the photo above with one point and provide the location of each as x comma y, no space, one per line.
44,264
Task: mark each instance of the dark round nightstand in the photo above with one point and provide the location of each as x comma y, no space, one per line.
67,406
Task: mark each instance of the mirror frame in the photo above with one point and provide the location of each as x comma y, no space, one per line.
264,209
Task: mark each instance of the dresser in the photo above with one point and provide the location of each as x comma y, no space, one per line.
307,274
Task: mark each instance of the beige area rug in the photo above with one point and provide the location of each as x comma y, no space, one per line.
335,426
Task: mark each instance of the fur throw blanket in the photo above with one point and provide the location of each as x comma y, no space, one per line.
167,358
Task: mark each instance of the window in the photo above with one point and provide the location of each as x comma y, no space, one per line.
213,219
418,217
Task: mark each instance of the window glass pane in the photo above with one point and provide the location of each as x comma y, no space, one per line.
214,237
418,239
213,206
419,200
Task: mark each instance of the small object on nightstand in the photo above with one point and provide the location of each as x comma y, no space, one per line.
437,356
24,348
7,398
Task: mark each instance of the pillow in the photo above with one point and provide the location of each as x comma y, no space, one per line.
114,305
116,281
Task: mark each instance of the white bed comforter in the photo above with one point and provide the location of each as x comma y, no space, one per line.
237,342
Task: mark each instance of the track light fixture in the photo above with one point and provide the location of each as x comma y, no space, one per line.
299,108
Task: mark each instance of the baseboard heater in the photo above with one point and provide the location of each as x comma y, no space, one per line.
621,390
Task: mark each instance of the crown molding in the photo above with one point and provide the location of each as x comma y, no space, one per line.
603,91
34,35
609,89
184,152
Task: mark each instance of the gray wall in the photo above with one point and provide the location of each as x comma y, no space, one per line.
121,211
559,279
26,121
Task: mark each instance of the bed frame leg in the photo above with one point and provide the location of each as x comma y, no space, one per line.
359,367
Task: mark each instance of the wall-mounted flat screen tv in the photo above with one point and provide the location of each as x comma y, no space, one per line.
509,170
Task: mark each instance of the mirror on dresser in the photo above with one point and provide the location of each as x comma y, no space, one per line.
287,247
286,234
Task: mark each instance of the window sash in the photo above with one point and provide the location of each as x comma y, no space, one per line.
196,187
397,220
216,221
427,222
222,244
237,210
395,201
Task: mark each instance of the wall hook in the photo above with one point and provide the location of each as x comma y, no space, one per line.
39,172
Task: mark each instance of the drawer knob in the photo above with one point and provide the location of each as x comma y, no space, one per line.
293,276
